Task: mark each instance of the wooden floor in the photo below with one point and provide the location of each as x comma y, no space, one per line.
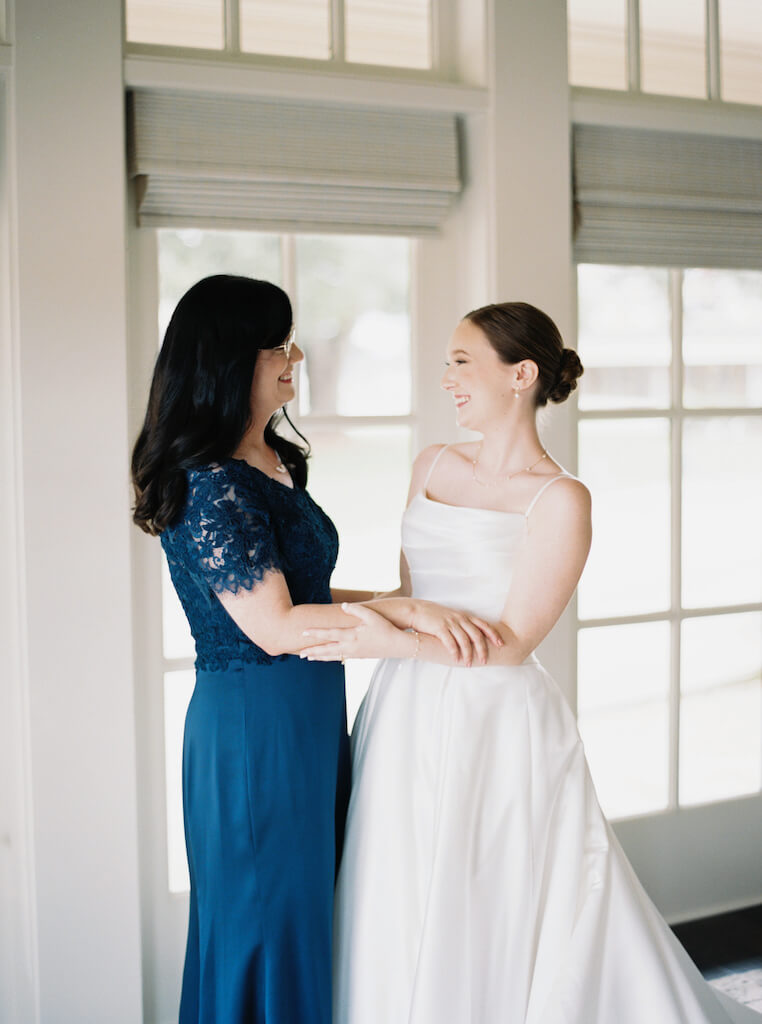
727,949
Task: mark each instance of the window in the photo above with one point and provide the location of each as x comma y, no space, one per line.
741,50
672,47
598,43
195,23
670,606
351,299
396,33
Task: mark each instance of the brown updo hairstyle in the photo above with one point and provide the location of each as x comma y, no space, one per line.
519,331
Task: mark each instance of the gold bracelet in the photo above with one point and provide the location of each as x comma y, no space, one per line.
417,643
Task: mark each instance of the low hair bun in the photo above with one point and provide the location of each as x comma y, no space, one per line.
569,371
518,331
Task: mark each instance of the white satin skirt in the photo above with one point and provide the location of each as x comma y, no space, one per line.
480,881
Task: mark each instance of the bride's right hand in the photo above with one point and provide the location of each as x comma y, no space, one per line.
464,636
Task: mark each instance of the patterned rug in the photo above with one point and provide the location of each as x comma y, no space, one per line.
741,981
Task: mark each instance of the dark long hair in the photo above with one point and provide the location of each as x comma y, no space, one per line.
516,331
199,402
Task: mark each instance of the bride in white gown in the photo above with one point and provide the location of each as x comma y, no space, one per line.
480,881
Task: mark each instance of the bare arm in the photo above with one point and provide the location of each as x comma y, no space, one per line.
548,569
558,543
462,636
339,596
546,574
269,619
356,596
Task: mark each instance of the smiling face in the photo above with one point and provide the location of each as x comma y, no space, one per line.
272,385
481,384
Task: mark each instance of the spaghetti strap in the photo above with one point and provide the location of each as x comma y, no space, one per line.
438,455
545,486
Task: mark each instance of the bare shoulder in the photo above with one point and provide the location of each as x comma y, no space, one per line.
426,456
424,460
567,499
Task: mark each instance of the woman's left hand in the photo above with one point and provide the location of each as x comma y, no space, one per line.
466,637
372,637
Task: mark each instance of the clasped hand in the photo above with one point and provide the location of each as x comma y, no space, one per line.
465,637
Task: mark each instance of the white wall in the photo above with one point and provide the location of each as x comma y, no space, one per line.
69,301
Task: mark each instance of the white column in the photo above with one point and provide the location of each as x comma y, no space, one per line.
529,209
529,159
70,303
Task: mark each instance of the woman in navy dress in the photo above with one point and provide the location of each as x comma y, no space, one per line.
265,758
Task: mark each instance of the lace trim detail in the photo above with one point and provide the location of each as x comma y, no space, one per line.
237,526
233,539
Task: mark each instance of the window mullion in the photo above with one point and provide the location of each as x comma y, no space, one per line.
288,267
338,48
232,26
179,664
676,474
438,33
624,413
573,455
713,89
633,45
417,392
339,421
634,413
288,278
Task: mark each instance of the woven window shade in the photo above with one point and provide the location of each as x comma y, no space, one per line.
238,162
666,199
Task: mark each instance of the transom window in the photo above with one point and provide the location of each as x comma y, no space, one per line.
674,47
396,33
670,604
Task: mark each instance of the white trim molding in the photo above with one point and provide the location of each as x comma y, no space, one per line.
19,953
617,109
234,75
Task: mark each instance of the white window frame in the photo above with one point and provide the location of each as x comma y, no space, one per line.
19,947
441,35
675,414
633,32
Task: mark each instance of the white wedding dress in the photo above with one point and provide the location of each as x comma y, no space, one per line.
480,881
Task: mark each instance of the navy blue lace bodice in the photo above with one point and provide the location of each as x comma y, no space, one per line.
239,524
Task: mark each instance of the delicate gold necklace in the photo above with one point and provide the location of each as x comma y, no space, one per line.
503,476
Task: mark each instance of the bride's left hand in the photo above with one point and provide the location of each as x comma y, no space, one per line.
373,637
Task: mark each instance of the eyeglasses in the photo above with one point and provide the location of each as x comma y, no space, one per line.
288,344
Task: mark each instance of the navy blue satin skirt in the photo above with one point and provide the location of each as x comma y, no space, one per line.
265,787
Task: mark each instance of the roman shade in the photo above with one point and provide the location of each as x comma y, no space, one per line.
244,162
666,198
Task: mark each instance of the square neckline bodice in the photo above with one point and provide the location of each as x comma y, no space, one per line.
422,493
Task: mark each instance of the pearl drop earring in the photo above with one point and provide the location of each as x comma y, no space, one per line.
515,392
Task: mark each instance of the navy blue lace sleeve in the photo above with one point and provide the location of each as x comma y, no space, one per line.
237,525
235,542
